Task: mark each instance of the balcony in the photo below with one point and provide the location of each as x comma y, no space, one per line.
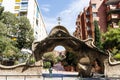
88,28
115,25
23,13
113,17
112,2
23,8
24,0
89,35
87,20
113,7
115,11
87,13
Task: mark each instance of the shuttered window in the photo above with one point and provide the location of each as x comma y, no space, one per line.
17,0
17,7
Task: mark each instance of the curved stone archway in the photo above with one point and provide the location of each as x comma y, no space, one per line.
86,53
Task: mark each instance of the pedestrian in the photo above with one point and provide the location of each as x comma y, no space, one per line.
50,71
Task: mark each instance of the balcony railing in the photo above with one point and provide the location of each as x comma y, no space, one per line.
114,17
24,0
24,7
23,13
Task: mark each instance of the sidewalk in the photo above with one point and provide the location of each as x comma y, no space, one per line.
46,71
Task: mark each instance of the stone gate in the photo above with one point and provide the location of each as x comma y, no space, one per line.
85,50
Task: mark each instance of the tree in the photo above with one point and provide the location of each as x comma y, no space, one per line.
11,21
50,56
2,37
2,46
3,29
71,59
25,33
112,38
1,11
112,41
10,27
97,35
119,23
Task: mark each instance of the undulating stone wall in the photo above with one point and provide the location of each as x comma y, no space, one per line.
111,70
35,69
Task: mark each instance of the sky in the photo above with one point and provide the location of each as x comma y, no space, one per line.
67,10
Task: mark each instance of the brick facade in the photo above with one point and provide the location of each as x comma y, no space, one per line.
99,10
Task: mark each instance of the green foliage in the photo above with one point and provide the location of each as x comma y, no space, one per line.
112,42
25,35
112,38
50,56
18,27
97,35
12,26
71,59
32,60
119,24
10,50
11,21
9,18
46,65
1,11
3,29
59,58
117,56
2,46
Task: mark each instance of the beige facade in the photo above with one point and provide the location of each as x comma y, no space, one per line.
30,9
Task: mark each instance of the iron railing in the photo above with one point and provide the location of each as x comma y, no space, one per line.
55,77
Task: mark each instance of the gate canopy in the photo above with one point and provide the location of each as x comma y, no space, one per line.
60,36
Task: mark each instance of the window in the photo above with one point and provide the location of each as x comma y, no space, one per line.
94,14
24,4
37,22
17,0
1,0
89,36
93,5
17,7
87,13
16,14
0,4
37,12
24,13
88,28
24,0
87,20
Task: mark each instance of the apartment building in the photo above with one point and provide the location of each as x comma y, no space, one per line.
96,11
113,13
30,9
